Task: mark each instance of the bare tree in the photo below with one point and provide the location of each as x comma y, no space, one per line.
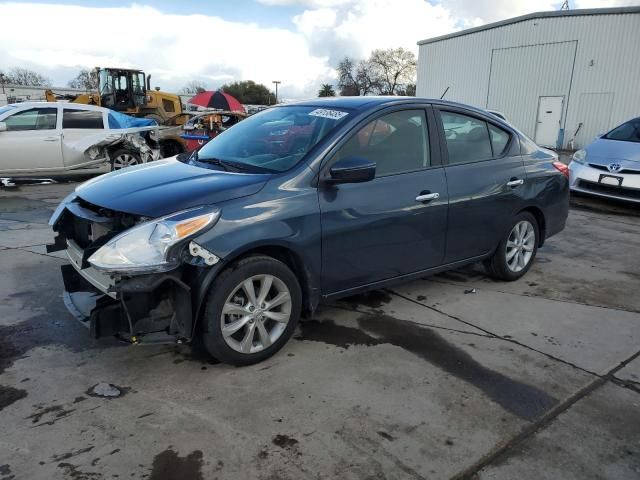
194,87
85,80
394,69
355,78
27,78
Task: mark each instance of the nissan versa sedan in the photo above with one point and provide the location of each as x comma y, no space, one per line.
235,243
610,165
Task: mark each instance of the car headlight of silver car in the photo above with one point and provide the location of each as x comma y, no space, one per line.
146,248
580,156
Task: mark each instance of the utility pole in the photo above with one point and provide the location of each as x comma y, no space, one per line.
276,82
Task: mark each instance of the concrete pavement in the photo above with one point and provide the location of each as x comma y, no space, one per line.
454,376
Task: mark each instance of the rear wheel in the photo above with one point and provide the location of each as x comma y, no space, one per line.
252,310
515,253
124,158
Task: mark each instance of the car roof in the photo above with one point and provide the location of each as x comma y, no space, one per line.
80,106
363,103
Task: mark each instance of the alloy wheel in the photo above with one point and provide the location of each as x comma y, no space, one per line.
124,160
256,313
520,246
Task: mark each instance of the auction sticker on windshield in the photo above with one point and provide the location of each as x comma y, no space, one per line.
324,113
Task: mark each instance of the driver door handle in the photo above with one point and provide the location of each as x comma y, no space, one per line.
515,182
426,197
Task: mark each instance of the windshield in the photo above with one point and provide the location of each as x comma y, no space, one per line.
627,132
274,140
6,109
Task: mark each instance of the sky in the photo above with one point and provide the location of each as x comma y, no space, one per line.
298,42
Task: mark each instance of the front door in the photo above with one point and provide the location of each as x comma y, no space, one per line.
32,142
548,123
394,224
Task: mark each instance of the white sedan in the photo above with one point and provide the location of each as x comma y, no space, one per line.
52,139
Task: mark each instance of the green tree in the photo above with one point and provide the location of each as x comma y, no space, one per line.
27,78
326,91
85,80
249,92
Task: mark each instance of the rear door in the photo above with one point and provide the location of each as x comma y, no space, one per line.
81,128
32,142
395,224
485,176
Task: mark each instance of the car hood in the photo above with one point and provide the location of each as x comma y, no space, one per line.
166,186
610,150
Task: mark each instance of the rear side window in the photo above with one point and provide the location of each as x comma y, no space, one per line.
397,142
33,119
627,132
82,119
467,138
499,140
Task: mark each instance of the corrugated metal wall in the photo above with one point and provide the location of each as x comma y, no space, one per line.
603,70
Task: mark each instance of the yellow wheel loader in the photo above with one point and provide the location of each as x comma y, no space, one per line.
127,91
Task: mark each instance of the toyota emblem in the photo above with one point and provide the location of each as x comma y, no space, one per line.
614,167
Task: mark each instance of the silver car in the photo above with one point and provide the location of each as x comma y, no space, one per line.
610,165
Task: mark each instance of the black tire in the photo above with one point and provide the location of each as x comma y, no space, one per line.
497,265
116,163
224,286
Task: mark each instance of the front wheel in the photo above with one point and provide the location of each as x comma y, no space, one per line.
515,253
252,310
124,158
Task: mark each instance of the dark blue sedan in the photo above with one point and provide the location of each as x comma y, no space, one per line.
301,204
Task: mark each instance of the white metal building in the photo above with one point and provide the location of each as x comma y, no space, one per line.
551,73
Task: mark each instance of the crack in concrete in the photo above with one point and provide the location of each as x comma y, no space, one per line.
495,335
529,430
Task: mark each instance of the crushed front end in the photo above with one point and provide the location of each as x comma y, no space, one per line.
135,304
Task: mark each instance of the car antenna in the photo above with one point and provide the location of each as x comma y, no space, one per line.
445,92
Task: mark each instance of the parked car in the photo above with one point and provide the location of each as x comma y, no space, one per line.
235,244
610,165
51,139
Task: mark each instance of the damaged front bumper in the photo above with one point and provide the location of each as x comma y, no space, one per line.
138,308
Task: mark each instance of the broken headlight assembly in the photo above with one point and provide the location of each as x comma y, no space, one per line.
147,247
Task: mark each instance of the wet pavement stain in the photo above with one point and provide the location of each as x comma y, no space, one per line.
72,453
58,412
372,299
71,471
9,395
284,441
521,399
168,465
45,304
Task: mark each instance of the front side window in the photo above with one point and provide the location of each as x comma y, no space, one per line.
467,138
396,142
274,140
627,132
82,119
33,119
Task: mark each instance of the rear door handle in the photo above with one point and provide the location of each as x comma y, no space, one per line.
515,182
427,197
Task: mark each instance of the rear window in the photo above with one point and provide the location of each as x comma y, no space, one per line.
627,132
82,119
467,138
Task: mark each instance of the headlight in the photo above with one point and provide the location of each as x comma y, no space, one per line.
580,156
146,247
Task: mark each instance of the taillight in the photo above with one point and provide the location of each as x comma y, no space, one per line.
562,168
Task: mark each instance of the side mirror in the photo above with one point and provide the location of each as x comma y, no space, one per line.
3,127
352,170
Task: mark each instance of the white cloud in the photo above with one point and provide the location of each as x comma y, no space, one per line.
59,39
